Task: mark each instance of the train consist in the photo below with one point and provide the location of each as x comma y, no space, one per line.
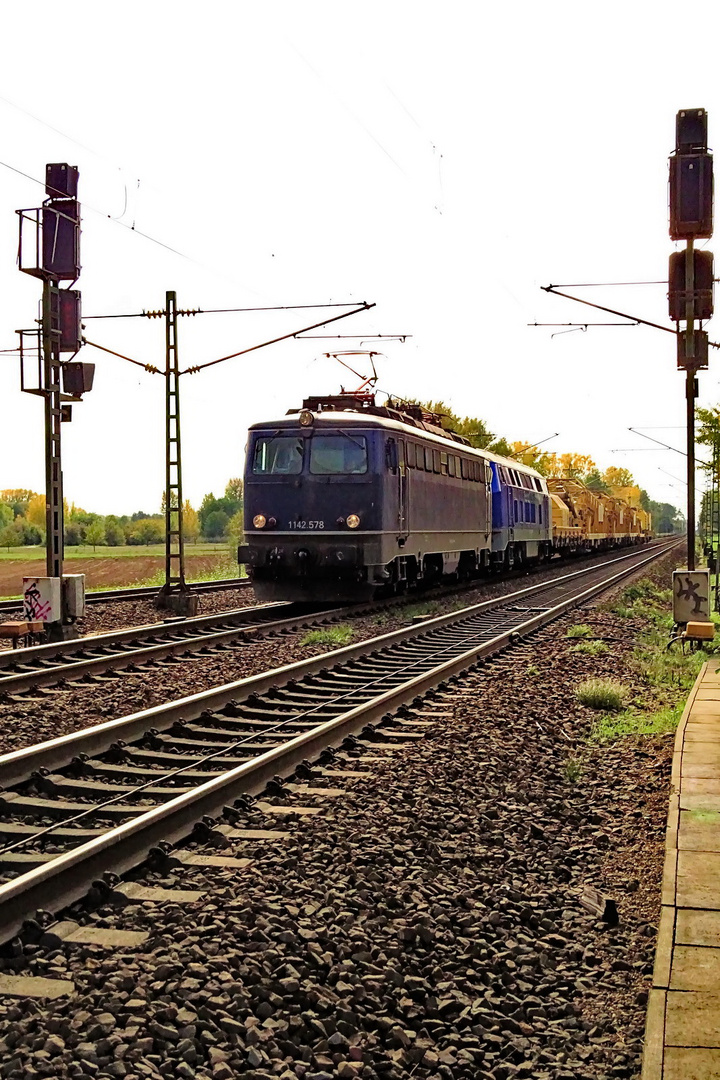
345,498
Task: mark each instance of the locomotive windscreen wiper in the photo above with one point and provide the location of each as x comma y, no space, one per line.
358,442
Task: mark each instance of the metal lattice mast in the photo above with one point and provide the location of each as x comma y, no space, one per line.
174,547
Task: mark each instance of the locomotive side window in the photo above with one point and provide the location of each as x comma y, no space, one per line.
428,459
464,463
436,461
443,463
281,454
333,455
410,456
451,465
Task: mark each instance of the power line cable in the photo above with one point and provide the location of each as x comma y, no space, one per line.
131,228
219,311
50,127
354,115
601,284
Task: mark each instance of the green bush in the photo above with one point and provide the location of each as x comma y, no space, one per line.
602,694
661,722
573,770
337,635
593,648
579,631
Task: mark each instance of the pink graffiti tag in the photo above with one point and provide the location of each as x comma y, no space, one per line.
34,605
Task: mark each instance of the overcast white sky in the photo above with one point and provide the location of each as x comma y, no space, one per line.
443,161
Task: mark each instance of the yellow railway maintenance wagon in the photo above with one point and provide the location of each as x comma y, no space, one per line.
585,520
587,515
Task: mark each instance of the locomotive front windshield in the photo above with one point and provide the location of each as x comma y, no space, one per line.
278,455
338,455
327,455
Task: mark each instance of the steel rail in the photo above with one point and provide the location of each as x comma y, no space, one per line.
150,591
55,753
141,592
45,673
248,740
195,638
11,658
67,877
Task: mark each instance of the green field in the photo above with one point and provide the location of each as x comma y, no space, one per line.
117,567
37,551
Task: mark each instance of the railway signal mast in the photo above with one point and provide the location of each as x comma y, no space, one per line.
49,249
690,281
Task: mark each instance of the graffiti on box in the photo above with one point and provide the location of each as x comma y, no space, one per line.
691,595
36,607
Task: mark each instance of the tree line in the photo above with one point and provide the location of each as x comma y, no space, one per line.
612,481
22,521
708,435
22,512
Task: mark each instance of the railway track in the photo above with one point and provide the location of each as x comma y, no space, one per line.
23,670
96,802
142,592
28,669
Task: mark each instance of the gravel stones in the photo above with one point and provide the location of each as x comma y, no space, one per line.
49,714
428,925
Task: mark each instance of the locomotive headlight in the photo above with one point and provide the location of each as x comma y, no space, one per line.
306,418
352,521
259,521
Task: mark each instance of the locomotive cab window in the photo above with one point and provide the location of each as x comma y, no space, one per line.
278,455
338,455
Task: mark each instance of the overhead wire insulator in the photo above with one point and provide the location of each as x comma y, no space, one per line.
154,314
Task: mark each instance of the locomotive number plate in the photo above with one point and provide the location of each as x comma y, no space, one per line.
306,524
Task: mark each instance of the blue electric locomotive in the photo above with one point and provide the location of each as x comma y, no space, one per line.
344,498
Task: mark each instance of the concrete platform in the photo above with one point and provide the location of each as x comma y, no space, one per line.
682,1034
